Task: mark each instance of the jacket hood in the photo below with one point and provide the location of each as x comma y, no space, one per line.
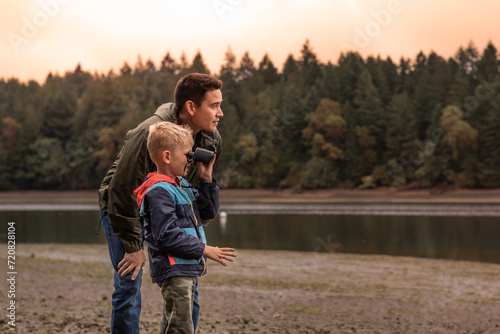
167,112
151,179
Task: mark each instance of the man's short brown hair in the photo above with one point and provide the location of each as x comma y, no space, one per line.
193,87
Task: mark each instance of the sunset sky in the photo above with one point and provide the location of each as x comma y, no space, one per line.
42,36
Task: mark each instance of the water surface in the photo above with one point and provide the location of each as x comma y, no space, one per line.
447,231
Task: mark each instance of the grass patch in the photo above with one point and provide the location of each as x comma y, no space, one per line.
399,311
266,282
304,309
63,268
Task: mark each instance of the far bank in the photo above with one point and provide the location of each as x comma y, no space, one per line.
285,196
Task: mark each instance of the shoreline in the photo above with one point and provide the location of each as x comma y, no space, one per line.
284,196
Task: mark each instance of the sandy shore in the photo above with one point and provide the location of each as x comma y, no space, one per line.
66,289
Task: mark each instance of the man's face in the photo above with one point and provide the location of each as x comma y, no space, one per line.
207,115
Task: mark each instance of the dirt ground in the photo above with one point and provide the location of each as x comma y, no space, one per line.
62,288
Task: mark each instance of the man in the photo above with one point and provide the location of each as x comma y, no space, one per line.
198,101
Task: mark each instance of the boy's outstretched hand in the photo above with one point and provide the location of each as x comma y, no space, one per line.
219,254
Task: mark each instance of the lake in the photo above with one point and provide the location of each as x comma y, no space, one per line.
445,231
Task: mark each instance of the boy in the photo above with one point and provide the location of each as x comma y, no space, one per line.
172,221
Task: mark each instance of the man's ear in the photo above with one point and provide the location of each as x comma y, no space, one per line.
190,105
165,156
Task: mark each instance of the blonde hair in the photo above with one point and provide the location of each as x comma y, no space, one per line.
166,136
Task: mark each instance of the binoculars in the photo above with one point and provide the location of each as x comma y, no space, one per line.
201,155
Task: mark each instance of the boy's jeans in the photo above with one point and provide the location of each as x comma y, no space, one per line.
126,298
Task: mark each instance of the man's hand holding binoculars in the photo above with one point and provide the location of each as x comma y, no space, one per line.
204,160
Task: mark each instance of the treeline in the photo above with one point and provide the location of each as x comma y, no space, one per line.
362,123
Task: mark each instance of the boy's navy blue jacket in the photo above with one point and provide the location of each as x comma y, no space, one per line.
172,211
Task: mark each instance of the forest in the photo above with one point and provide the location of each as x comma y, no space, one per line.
359,123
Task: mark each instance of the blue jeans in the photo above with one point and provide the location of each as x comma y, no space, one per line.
126,298
196,306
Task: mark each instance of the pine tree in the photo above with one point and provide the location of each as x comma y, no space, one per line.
169,65
230,130
228,70
290,68
467,60
437,168
78,80
458,90
308,65
246,69
488,66
442,74
268,72
401,128
184,65
405,77
167,78
47,164
425,100
488,155
232,89
374,67
198,65
9,137
393,81
108,106
369,114
57,115
328,84
350,66
354,166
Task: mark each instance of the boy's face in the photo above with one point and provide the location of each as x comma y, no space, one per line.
178,161
206,117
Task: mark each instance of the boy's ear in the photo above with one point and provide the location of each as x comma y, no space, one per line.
165,156
190,107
